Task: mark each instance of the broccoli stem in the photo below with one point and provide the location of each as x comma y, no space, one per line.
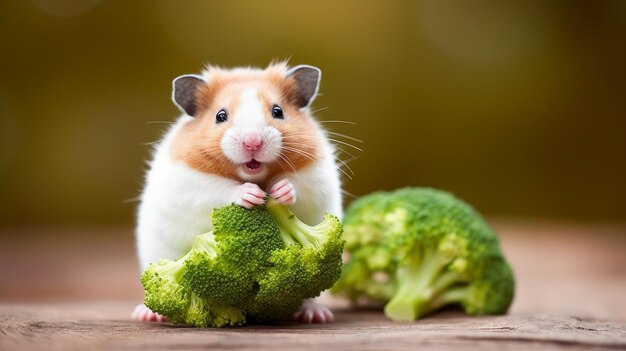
172,270
421,281
226,316
454,295
293,230
196,313
205,242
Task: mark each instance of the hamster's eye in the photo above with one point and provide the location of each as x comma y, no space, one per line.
221,116
277,112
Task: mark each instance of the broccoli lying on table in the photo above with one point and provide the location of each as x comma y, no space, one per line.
420,249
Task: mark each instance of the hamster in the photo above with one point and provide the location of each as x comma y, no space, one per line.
244,133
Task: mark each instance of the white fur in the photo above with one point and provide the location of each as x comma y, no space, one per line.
177,199
249,115
176,203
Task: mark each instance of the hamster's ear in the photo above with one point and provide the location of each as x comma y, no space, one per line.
184,91
307,79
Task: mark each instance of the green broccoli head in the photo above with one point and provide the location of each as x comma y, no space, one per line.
167,292
244,241
491,293
281,288
314,251
419,249
256,265
164,292
308,263
200,313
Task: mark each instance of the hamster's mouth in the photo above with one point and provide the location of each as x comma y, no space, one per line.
253,167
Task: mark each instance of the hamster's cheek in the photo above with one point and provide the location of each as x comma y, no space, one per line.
231,146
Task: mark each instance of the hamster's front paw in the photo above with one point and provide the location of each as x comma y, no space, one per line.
249,195
284,192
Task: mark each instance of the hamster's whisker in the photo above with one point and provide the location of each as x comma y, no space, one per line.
131,200
345,151
301,145
190,156
301,152
344,172
291,143
346,144
345,164
149,143
296,150
320,109
160,122
212,144
288,134
197,153
293,171
338,121
288,162
292,166
281,165
348,160
345,136
348,194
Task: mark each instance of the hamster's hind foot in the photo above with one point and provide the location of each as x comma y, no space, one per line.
143,313
311,312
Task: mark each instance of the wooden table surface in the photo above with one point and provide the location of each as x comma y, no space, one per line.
74,290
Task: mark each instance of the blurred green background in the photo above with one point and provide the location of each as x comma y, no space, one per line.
517,107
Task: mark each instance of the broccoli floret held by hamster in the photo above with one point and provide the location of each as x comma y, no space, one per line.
256,265
308,263
167,293
420,249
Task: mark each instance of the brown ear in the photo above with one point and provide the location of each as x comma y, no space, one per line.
307,80
184,91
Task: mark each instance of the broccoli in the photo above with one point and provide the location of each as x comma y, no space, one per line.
308,263
167,293
245,239
257,265
420,249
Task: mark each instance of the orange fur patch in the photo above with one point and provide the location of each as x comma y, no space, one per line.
198,142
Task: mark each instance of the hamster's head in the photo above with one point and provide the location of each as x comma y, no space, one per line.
248,124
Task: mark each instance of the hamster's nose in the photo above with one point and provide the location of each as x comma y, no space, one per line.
252,141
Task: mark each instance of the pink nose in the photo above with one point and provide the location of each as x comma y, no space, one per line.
252,142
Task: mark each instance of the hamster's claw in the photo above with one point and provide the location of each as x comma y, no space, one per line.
310,312
284,192
143,313
249,195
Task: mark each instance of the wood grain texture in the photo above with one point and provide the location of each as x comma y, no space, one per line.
106,326
54,288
